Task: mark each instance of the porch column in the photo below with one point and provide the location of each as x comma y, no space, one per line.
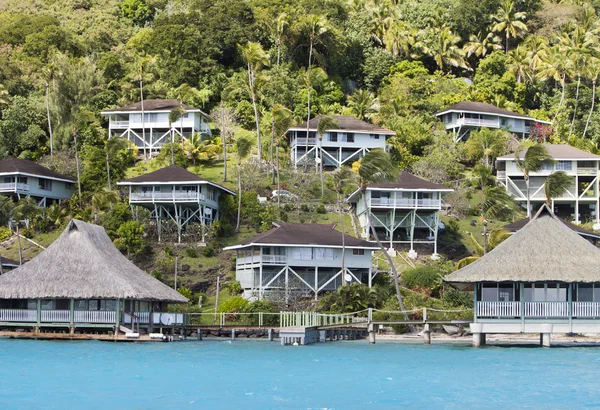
260,281
72,311
39,312
317,281
117,316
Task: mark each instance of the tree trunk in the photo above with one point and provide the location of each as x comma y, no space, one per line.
576,103
278,178
308,87
387,256
587,123
143,119
19,244
485,236
108,173
271,149
49,121
321,166
224,138
239,213
77,164
343,239
526,177
253,92
172,144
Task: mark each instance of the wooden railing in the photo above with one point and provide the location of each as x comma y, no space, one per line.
407,202
546,309
13,187
166,196
538,309
586,309
55,316
95,316
498,309
18,315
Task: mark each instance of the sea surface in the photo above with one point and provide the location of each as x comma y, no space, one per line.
257,374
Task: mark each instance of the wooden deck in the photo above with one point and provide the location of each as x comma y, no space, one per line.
78,336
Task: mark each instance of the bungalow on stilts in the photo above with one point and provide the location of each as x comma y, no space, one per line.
83,283
545,278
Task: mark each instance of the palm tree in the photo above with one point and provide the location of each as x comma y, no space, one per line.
519,63
486,144
536,47
443,48
26,208
255,58
362,104
532,161
102,200
280,23
556,66
48,75
556,185
593,71
400,38
377,166
242,148
174,116
509,21
480,45
310,76
496,204
196,148
495,238
342,177
282,121
325,123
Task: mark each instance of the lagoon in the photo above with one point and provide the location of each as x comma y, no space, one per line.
257,374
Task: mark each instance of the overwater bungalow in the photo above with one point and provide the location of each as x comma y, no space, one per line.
543,279
82,281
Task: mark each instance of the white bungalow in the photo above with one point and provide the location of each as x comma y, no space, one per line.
350,141
175,193
580,202
82,282
403,212
21,178
301,257
153,130
543,279
466,116
7,264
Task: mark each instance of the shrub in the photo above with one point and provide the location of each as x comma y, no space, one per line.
235,304
456,298
234,288
191,252
304,208
423,278
259,306
283,217
452,227
168,251
186,292
4,233
27,232
288,207
320,209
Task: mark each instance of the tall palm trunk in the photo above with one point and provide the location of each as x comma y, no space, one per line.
49,120
587,123
363,193
19,244
321,165
526,177
254,105
485,233
108,174
576,103
224,138
308,88
278,178
271,149
143,119
339,198
239,212
77,165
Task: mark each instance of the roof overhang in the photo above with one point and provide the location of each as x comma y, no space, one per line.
353,194
495,114
512,158
126,183
383,132
37,176
293,245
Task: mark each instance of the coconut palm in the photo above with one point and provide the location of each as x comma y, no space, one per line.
103,200
496,204
480,45
242,148
310,76
282,121
519,63
593,71
400,38
532,161
557,66
255,58
377,166
556,185
363,104
325,123
443,48
486,144
509,21
175,115
342,178
495,238
536,47
26,208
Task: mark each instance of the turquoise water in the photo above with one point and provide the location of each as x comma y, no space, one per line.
257,374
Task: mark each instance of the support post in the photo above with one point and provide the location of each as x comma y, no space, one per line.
427,334
478,336
545,335
117,316
373,328
270,333
232,334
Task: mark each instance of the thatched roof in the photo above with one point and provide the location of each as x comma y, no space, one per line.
345,123
515,226
83,263
295,234
543,250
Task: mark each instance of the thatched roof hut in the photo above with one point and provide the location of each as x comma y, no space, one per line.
544,250
83,263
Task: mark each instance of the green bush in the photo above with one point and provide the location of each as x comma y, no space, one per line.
4,233
236,304
283,216
423,278
168,251
320,209
304,208
209,251
456,298
234,288
452,227
191,252
288,207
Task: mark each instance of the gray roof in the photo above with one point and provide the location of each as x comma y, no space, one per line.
290,234
409,182
345,123
543,250
483,108
171,174
557,151
83,263
23,166
152,105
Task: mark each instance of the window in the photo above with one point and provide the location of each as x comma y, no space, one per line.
333,136
323,254
447,118
68,185
108,304
211,194
374,136
358,252
22,180
151,117
563,165
9,180
302,253
503,121
45,184
47,304
349,137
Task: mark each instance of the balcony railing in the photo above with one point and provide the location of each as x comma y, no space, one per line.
302,141
13,187
167,196
266,259
95,316
119,124
481,122
501,174
405,202
538,309
587,171
79,316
